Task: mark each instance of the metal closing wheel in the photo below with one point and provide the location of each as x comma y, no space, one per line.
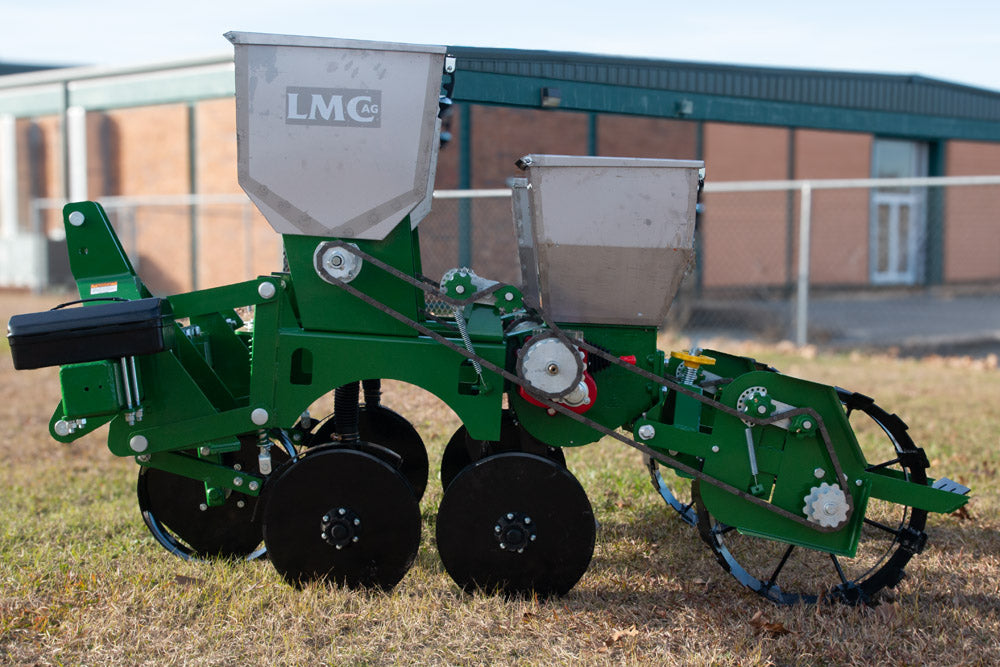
174,510
677,495
516,524
462,450
890,536
341,515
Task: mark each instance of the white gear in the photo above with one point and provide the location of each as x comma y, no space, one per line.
826,505
551,367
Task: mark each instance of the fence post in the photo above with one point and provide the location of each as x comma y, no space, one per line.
802,289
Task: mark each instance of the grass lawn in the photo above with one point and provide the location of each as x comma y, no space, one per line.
83,582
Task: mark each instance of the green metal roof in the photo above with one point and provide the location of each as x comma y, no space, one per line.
884,104
879,103
20,68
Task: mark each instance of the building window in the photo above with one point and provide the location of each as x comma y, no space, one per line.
898,214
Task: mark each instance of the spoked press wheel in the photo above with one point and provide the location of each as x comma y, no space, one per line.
462,451
676,493
515,523
379,425
174,509
890,536
344,516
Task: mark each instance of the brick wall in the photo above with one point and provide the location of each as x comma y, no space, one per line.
971,241
746,238
839,217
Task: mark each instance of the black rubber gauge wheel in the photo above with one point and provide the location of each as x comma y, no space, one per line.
341,515
516,524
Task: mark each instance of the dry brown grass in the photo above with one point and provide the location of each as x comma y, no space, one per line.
82,582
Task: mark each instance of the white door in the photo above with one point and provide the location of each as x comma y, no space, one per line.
898,215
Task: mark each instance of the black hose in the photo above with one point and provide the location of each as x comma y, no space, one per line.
373,392
345,412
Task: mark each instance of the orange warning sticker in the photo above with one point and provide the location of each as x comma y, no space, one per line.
103,288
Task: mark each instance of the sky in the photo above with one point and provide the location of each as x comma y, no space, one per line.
957,41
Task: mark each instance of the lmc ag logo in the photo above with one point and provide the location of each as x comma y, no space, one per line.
333,106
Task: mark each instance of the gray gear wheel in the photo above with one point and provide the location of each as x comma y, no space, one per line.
551,368
826,505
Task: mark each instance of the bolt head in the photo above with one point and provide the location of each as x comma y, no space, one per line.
819,473
77,218
341,511
237,481
510,516
715,449
204,451
203,507
647,432
509,296
241,504
859,482
138,443
459,289
254,486
62,428
266,290
326,518
259,416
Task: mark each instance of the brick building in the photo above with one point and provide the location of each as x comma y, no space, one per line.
170,130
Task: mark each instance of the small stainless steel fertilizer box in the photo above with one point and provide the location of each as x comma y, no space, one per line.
612,237
336,137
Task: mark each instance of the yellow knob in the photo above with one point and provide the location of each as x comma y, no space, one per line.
693,360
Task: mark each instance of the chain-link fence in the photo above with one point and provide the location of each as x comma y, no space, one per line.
907,262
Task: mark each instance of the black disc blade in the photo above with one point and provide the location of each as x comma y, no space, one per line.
462,450
328,498
175,511
382,426
517,524
379,425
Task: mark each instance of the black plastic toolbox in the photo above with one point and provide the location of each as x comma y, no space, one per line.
96,332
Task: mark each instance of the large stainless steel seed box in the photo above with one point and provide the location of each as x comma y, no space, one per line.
335,137
612,237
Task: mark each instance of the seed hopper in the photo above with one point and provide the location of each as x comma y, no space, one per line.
801,490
